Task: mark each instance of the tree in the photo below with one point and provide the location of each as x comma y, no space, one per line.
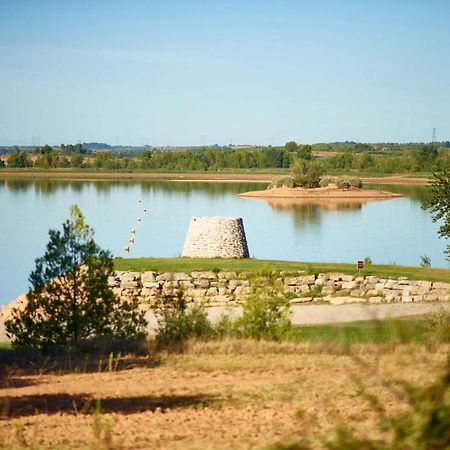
19,159
291,146
304,152
439,203
70,300
307,173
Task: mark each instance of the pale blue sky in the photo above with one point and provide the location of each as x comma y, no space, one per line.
193,72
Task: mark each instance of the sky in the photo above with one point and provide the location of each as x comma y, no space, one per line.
204,72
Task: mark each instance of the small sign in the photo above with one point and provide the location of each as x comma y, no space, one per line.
360,265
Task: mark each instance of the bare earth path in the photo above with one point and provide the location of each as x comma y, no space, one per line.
322,314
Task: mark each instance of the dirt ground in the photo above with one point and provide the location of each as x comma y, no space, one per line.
219,395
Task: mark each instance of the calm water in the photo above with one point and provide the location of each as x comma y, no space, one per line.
393,231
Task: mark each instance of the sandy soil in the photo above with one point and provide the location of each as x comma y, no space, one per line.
227,395
322,193
195,176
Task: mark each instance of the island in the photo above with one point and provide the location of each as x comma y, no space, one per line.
321,193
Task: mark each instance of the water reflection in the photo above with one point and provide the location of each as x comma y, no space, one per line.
45,186
327,204
16,185
309,211
416,193
213,189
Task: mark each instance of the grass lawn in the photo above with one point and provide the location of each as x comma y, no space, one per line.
260,265
370,331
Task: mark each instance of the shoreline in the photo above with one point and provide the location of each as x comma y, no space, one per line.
191,176
330,193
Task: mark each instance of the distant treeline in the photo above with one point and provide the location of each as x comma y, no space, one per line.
349,156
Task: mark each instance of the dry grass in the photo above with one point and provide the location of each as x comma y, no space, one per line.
229,394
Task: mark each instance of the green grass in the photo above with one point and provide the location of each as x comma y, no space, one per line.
260,265
371,331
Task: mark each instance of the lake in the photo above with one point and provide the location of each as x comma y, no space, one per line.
390,231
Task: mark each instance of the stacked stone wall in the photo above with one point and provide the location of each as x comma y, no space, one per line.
232,288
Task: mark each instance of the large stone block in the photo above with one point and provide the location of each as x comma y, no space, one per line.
204,275
148,277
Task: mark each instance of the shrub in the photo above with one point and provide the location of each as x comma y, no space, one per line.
263,318
438,326
326,181
177,323
307,173
425,426
349,183
286,181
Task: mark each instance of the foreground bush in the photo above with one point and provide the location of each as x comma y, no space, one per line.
177,323
425,426
262,318
438,326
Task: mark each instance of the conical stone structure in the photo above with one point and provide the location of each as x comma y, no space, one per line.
215,237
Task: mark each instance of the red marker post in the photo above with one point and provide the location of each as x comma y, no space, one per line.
360,265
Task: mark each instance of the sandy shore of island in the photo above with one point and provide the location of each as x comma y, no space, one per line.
330,192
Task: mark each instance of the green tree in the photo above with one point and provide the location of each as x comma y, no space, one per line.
304,152
291,146
70,300
439,203
19,159
307,173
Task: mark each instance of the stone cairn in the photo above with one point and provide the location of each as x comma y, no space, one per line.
215,237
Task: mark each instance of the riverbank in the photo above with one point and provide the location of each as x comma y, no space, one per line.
188,176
